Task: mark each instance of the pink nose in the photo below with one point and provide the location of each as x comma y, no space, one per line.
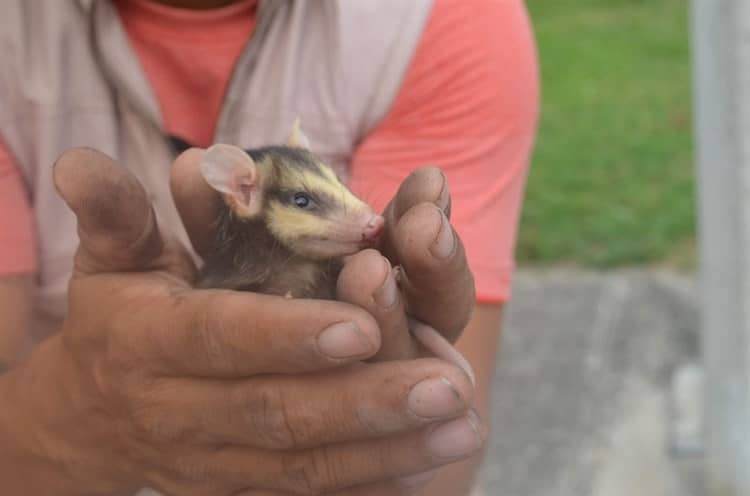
373,228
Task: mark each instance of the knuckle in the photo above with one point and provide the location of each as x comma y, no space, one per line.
372,422
367,423
314,473
150,424
267,414
190,469
208,329
145,421
150,421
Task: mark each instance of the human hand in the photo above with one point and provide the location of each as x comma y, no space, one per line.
432,282
153,383
432,287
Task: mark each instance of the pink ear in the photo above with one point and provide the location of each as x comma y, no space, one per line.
229,170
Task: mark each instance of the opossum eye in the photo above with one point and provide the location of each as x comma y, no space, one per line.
302,200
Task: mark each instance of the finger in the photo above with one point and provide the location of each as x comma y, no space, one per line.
404,486
368,282
222,333
298,412
424,185
436,344
116,223
197,203
336,467
436,279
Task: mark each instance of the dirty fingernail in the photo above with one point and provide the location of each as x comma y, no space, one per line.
443,245
387,295
455,439
444,200
434,398
344,340
398,274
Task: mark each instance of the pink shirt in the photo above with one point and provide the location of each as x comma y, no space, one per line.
468,104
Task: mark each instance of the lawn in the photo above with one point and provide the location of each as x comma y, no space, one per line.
612,177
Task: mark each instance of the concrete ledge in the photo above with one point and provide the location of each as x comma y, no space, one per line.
581,388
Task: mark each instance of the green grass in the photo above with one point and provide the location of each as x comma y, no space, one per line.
612,177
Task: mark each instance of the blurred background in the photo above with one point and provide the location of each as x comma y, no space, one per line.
612,179
596,390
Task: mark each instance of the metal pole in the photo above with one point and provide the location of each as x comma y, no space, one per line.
721,56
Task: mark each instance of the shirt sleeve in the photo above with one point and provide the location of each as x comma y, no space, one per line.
468,104
17,235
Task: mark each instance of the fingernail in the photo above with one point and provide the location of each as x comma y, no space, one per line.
435,397
398,274
444,199
440,347
456,439
387,295
417,480
344,340
443,245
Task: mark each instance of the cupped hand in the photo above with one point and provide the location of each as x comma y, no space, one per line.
218,392
432,282
422,304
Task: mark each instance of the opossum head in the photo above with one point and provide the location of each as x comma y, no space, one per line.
297,197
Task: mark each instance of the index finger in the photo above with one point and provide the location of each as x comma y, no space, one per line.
436,278
222,333
424,185
197,203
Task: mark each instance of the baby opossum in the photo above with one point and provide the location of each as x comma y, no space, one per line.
286,222
285,225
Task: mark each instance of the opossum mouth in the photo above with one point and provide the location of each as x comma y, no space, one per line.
329,248
343,237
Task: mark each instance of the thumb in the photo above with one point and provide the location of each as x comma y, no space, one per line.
116,223
197,203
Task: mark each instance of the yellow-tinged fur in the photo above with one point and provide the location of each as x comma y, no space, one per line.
290,224
265,241
318,234
305,180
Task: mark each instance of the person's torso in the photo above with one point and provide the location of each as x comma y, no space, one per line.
69,77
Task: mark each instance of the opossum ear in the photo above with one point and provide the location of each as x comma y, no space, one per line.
298,139
229,170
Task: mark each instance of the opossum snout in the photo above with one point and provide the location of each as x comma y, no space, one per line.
373,228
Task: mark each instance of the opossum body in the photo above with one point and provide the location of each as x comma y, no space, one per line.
246,257
286,222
